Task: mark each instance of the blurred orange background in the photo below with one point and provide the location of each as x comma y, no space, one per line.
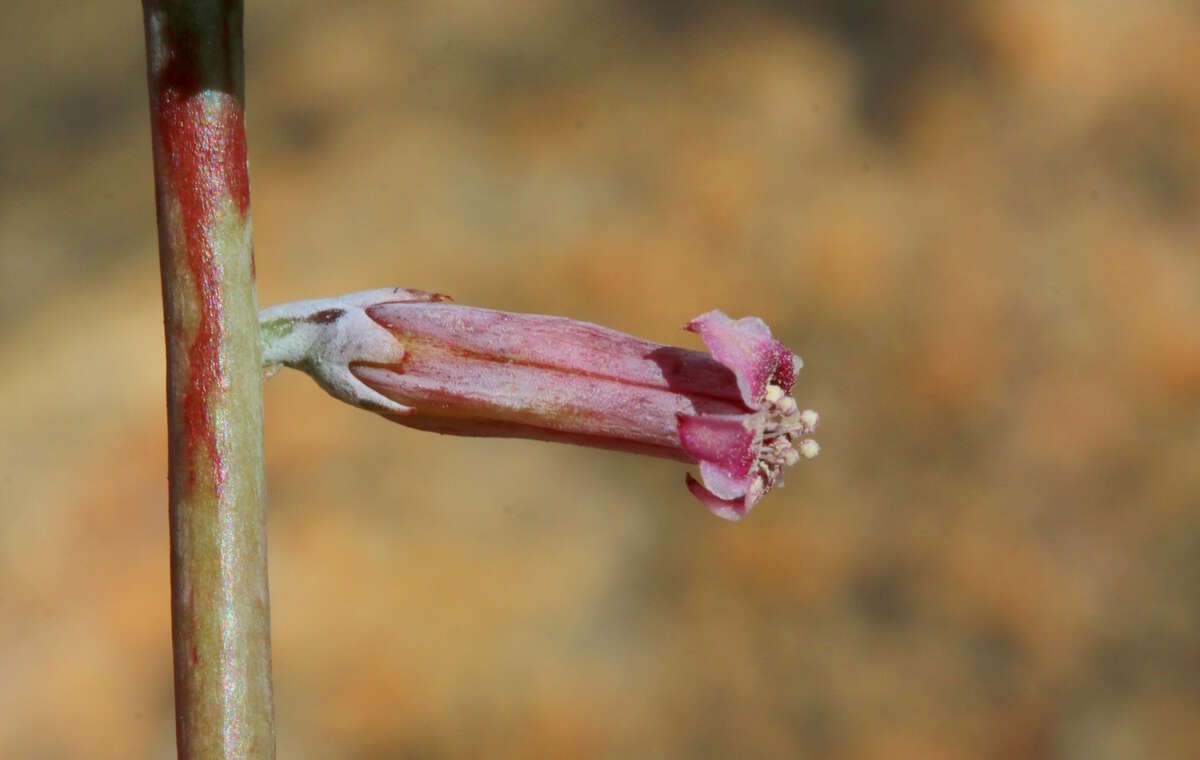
977,222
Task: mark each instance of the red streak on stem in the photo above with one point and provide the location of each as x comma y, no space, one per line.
204,140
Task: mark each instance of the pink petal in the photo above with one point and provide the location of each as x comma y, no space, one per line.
723,440
722,483
467,395
559,343
746,347
727,509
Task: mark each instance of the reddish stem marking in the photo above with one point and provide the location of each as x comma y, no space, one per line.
207,163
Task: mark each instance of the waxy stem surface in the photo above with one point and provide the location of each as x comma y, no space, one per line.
219,599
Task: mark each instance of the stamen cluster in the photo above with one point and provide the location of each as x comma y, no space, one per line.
782,424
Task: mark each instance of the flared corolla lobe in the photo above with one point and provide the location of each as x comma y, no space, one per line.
438,366
746,347
742,458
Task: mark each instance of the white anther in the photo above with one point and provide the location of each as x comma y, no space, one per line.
809,448
809,419
787,406
790,457
774,394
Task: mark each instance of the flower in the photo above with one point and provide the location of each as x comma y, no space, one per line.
430,364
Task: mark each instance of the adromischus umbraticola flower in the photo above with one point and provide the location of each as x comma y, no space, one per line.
427,363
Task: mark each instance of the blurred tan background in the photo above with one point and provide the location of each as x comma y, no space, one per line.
977,222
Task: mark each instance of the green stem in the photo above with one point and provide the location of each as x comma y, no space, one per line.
219,599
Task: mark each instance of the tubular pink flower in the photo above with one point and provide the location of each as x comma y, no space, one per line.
434,365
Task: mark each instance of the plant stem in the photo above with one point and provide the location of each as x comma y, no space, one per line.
220,606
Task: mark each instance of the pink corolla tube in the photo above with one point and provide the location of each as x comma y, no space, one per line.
430,364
